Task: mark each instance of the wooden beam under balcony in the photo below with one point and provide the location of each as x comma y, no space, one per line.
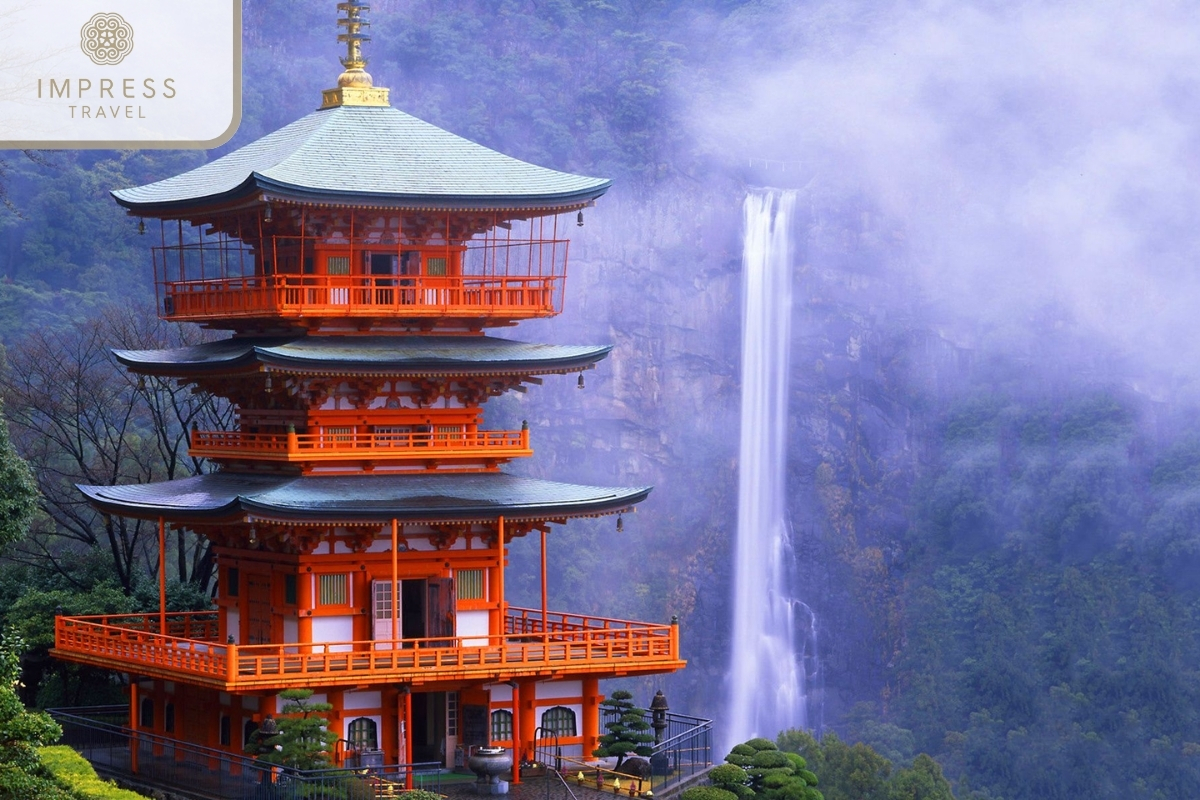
492,446
563,646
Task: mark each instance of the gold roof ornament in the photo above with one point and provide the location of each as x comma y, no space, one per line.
355,87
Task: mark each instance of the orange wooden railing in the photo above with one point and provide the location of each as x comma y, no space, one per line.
381,445
361,296
569,644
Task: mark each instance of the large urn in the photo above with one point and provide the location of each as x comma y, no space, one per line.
489,763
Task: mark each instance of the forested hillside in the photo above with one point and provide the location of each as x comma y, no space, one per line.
995,472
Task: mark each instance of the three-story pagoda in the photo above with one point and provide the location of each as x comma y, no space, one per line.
360,516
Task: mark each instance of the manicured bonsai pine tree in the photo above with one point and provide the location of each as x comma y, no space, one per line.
628,732
304,740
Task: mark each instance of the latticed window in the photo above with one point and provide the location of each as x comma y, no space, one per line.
449,433
469,584
146,715
392,435
248,731
452,713
502,722
435,267
340,434
559,721
338,265
333,590
363,734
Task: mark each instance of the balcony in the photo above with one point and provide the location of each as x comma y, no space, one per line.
331,296
309,448
227,282
531,646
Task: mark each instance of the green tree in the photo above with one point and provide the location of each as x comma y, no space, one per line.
922,781
304,740
767,772
22,775
628,732
18,491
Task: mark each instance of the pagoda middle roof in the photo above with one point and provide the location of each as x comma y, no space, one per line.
370,498
399,355
355,155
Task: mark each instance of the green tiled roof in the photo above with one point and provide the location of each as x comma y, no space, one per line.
458,355
477,496
369,155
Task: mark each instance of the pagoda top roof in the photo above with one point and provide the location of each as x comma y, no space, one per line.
227,496
366,156
410,354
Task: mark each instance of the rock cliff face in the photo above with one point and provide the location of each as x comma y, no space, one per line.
661,279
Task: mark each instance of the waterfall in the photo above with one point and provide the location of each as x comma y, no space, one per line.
774,634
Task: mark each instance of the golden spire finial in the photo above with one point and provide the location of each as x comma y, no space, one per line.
355,87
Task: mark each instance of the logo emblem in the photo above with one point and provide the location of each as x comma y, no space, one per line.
106,39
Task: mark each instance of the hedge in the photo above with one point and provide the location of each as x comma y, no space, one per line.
72,771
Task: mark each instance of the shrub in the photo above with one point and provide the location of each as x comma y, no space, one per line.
72,771
17,784
421,794
771,759
707,793
760,743
727,775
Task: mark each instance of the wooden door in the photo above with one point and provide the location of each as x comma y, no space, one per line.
337,268
381,604
258,609
439,610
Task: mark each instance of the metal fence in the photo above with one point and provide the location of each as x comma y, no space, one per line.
685,750
116,751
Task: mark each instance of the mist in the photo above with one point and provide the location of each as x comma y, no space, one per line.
1021,157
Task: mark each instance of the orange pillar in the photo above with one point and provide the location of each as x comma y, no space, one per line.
516,733
162,576
545,613
133,724
408,737
395,583
591,715
305,602
527,747
500,575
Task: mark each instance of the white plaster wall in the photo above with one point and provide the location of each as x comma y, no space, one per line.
233,624
499,693
333,629
316,698
472,623
353,701
552,689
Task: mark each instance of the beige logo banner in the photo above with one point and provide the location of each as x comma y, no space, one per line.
120,74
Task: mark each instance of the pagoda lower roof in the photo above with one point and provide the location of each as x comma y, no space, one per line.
365,156
232,496
414,355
